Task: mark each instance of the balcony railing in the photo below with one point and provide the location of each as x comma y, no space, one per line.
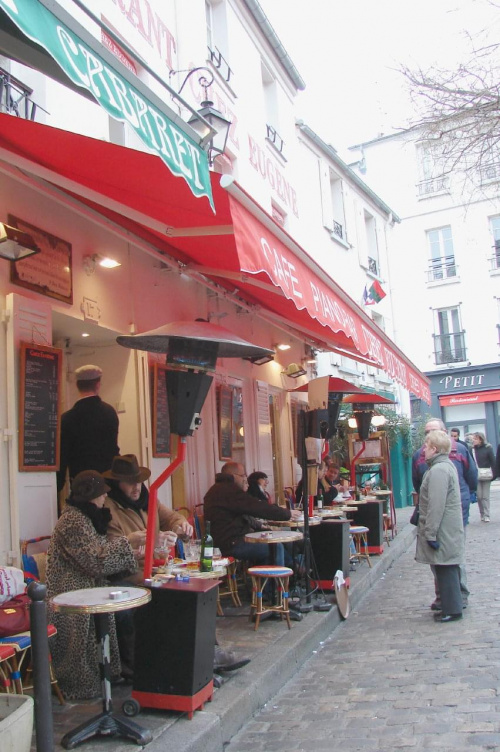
450,348
495,259
490,173
338,230
15,97
274,137
443,268
433,186
373,266
219,61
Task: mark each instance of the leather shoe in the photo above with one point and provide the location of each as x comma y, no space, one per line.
444,618
436,606
232,666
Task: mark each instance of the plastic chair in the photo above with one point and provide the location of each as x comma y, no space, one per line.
34,565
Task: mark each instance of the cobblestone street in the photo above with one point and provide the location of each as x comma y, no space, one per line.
390,677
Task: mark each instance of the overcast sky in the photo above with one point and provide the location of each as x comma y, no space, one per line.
347,52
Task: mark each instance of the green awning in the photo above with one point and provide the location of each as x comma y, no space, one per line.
114,92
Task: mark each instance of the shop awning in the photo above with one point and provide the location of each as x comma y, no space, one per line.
240,247
470,398
114,88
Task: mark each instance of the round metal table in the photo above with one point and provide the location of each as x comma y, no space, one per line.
101,602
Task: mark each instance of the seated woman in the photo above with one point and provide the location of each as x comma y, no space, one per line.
257,485
80,555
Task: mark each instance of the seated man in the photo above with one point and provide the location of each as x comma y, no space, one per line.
331,483
230,508
127,501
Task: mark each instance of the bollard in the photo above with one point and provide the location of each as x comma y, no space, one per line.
44,726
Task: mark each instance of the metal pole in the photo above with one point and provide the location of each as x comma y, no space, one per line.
44,725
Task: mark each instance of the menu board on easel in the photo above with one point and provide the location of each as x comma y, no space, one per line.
161,420
39,407
225,410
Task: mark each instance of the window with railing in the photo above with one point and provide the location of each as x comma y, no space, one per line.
371,239
449,337
442,264
495,231
450,348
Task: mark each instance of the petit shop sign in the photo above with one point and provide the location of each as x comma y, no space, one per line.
182,155
462,382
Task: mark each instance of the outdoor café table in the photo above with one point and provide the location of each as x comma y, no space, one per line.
272,537
293,524
101,602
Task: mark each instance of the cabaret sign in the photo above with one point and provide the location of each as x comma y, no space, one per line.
115,94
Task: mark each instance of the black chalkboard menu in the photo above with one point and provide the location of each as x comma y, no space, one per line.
39,407
159,408
225,409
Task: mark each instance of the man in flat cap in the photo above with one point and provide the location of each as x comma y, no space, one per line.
89,430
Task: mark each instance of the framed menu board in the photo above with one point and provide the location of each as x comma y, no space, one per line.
39,407
225,410
161,420
48,272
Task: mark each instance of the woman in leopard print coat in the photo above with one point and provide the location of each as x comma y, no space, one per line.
81,556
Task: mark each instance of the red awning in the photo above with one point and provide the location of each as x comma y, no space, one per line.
470,398
240,247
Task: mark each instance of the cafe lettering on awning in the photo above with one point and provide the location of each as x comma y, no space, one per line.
115,94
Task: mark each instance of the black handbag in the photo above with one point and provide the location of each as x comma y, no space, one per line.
415,516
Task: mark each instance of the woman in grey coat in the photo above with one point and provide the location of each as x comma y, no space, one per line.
440,535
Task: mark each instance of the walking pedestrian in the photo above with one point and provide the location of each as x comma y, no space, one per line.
486,468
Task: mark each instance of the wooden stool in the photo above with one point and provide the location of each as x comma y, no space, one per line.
260,576
230,588
359,533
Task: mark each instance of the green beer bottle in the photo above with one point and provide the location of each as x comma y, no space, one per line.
207,550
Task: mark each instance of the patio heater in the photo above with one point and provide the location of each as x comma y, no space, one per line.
363,408
180,613
317,425
191,349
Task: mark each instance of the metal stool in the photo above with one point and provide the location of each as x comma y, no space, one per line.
260,576
359,533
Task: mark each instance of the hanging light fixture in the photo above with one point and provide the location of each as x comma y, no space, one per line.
15,244
214,141
363,408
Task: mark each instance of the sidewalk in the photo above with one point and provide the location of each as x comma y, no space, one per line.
277,654
390,678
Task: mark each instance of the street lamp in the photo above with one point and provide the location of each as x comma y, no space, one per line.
215,141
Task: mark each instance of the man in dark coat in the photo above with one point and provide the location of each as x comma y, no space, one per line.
89,430
230,508
467,479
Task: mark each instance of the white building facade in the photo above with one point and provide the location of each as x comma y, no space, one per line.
445,274
284,258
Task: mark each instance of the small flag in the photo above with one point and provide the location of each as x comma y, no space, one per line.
374,294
